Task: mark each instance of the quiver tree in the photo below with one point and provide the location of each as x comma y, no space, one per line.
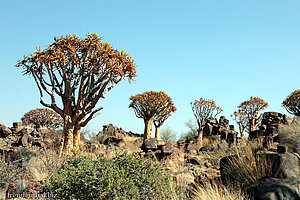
42,117
252,109
78,71
292,103
241,119
152,106
204,109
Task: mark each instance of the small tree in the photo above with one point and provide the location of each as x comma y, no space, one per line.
203,109
161,118
251,108
79,71
292,103
152,106
42,117
241,119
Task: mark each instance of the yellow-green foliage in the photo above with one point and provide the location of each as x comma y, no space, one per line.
124,177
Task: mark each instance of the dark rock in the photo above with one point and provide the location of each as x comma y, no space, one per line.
168,149
194,161
270,188
3,190
4,131
207,148
281,149
112,140
150,144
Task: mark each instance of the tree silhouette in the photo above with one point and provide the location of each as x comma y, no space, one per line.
78,71
42,117
242,121
251,108
204,109
292,103
152,106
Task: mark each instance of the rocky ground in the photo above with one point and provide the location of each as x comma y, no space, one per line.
187,162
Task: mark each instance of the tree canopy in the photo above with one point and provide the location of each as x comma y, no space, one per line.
292,103
79,71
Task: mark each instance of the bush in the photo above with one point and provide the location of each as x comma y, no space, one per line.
124,177
192,133
290,135
167,135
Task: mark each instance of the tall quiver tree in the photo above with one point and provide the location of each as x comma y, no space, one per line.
252,109
152,106
292,103
203,109
78,71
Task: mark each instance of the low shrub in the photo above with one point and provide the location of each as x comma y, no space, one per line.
124,177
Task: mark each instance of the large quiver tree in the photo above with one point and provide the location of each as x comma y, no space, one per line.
292,103
204,109
252,108
152,106
79,71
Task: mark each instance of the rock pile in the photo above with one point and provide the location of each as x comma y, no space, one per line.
220,130
268,130
113,134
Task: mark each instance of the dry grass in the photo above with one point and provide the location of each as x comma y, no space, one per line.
246,167
216,191
44,164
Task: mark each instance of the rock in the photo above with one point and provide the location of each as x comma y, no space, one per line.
4,131
167,149
281,149
207,148
112,140
194,161
150,144
17,126
270,188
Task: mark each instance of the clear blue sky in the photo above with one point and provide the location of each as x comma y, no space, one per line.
222,50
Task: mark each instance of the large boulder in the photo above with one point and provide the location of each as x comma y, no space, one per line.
270,188
4,131
150,144
167,149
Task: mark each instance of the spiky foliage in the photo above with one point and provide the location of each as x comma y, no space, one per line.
241,119
292,103
203,109
79,71
252,109
152,106
42,117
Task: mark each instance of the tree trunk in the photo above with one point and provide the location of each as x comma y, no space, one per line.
67,138
157,128
148,129
200,137
76,137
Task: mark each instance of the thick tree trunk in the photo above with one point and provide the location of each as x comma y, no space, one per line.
157,128
200,137
76,137
67,137
148,129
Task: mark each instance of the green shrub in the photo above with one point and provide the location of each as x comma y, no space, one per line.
124,177
290,135
168,135
192,133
